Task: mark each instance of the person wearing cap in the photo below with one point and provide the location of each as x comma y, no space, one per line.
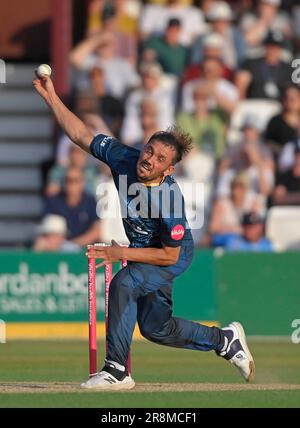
153,88
51,236
251,239
266,77
168,50
213,47
267,17
219,15
287,190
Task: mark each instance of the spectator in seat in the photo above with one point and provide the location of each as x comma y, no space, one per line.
251,239
152,88
265,78
220,17
149,121
255,25
167,50
126,36
77,207
77,159
227,212
204,124
287,190
154,20
91,119
126,23
111,109
223,94
250,156
283,127
212,47
100,50
52,236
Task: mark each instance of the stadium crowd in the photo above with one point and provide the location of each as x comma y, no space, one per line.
220,70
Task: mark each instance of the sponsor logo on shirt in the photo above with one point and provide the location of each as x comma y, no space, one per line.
177,232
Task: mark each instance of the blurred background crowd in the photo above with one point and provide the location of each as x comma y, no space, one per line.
221,70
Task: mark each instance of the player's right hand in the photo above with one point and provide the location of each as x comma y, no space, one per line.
44,86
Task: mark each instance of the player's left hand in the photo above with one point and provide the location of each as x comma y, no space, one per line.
109,254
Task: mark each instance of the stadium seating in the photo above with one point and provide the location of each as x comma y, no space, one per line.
26,134
283,227
262,110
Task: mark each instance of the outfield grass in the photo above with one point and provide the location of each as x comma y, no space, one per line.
277,363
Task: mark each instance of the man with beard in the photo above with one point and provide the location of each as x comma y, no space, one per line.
161,248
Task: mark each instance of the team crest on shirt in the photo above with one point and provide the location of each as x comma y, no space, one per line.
177,232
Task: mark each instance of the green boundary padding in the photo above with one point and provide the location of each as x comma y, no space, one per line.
53,287
262,290
194,292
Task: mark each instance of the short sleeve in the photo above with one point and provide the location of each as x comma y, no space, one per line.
172,231
173,223
110,151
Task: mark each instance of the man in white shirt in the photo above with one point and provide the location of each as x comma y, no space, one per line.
154,20
223,94
100,51
154,90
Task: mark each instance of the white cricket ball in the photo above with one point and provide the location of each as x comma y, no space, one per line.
44,70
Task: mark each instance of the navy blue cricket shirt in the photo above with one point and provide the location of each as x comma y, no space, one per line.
152,215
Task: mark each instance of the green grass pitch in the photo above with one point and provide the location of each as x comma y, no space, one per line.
29,369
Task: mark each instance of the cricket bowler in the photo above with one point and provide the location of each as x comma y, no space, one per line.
161,249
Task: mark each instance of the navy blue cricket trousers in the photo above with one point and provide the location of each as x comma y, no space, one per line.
142,292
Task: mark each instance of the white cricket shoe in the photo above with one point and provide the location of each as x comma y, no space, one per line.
109,379
236,351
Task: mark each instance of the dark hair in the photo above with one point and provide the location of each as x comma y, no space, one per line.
177,138
173,22
287,88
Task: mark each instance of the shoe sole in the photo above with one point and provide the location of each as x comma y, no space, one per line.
242,338
112,387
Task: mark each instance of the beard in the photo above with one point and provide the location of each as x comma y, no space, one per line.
145,172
